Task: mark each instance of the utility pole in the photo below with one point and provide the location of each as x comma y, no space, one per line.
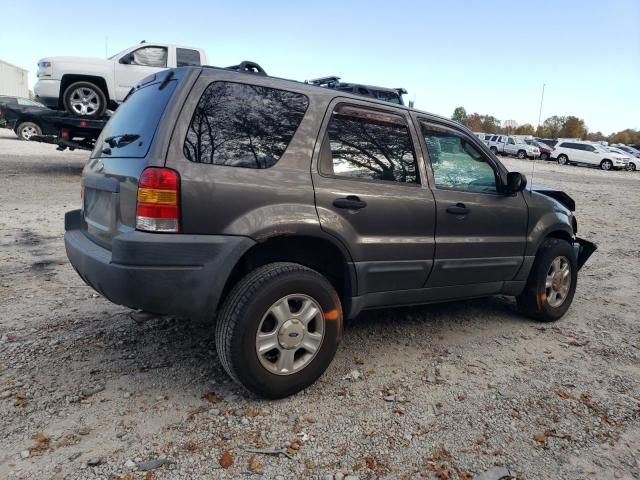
541,100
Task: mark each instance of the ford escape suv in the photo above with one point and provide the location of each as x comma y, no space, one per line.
280,208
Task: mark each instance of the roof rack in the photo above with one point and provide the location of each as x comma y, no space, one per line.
393,95
249,67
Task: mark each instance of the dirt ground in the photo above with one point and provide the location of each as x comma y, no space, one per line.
442,391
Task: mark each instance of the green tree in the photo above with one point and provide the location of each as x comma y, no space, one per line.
573,127
474,123
460,115
554,125
490,124
595,136
542,132
625,136
526,129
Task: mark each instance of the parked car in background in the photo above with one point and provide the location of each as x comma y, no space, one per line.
551,142
585,153
545,150
634,161
88,86
628,150
17,114
32,121
306,233
510,145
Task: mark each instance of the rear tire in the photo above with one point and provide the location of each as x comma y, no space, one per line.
545,297
632,166
522,154
494,150
26,130
264,297
544,156
563,159
85,99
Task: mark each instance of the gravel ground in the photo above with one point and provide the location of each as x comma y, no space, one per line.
443,391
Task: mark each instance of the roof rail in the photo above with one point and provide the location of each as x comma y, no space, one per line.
248,67
393,95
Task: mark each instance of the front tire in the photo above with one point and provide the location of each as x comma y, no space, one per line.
494,150
632,166
606,164
279,329
522,154
563,159
26,130
85,99
552,282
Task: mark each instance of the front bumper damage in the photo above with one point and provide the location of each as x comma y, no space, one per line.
584,249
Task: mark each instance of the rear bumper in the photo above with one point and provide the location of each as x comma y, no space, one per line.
171,274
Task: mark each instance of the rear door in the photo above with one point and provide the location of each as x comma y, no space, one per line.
372,194
480,232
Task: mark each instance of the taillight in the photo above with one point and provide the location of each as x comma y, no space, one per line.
158,206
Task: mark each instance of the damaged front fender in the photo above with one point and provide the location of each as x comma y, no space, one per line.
584,249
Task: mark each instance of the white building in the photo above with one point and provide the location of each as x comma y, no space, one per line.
13,80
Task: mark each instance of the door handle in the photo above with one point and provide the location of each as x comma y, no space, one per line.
458,209
351,202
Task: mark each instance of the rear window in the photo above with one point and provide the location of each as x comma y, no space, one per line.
137,117
239,125
186,57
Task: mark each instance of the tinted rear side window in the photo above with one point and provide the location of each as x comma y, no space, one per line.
368,145
185,57
138,115
240,125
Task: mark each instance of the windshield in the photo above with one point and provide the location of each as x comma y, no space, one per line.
130,130
121,52
600,148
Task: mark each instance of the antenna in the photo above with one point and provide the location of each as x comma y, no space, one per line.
533,168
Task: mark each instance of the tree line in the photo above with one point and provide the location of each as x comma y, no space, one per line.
553,127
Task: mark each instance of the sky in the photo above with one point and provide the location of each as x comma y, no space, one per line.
490,56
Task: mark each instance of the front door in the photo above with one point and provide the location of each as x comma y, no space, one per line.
372,194
481,232
134,66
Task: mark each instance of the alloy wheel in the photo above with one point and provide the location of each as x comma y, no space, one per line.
558,281
84,101
28,132
290,334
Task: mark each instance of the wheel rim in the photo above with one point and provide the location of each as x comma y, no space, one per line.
520,155
28,132
562,160
290,334
84,101
558,281
606,165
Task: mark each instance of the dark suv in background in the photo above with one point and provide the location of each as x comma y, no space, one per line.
280,208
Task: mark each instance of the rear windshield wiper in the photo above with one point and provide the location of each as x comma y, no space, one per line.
117,141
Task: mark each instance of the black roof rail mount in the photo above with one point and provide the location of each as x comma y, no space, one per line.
359,89
249,67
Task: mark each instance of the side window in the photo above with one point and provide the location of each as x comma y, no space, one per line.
511,142
369,145
150,57
240,125
185,57
456,163
588,148
494,138
564,145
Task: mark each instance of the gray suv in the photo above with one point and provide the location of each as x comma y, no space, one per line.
280,208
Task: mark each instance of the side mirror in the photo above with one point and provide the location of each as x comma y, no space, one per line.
516,182
127,59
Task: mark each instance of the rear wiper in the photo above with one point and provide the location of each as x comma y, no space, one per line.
121,140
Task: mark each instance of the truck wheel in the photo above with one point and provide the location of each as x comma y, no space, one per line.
279,329
494,150
606,164
26,130
551,283
563,159
85,98
522,154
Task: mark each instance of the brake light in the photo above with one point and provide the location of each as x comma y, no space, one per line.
158,205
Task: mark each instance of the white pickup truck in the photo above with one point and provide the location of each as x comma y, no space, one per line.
88,86
509,145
